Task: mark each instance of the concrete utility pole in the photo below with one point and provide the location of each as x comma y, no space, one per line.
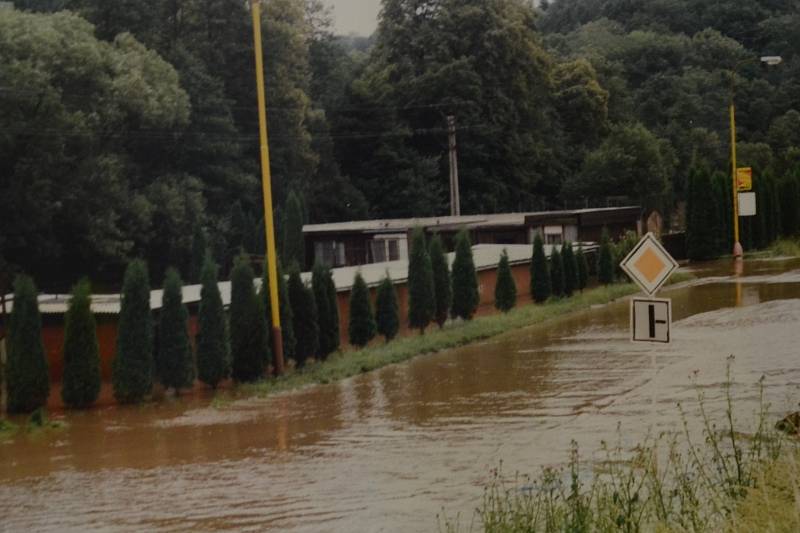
455,198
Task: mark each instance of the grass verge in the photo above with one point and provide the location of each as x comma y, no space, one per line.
349,363
785,248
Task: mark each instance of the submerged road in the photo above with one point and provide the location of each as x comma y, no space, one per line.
386,451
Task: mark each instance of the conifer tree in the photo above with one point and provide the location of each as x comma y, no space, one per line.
132,369
605,260
306,321
294,250
505,290
327,310
441,281
722,192
198,255
174,358
362,327
249,350
27,377
556,273
701,232
540,275
387,313
583,268
790,205
421,297
213,344
465,280
81,384
570,269
287,317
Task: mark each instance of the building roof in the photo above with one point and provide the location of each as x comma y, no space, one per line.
485,257
401,225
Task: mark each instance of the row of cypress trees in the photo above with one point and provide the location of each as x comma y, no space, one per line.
567,271
237,348
434,292
709,212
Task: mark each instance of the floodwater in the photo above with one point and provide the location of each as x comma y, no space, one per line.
386,451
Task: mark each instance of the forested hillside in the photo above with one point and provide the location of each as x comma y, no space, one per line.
126,125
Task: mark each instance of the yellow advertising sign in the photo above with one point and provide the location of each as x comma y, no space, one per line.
744,179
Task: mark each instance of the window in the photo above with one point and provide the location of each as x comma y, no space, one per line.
388,248
553,234
330,253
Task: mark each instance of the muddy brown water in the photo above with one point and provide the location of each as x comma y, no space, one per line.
386,451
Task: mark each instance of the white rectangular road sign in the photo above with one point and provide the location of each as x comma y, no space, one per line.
649,264
651,320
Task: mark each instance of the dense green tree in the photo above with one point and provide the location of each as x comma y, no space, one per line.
305,318
327,309
197,259
556,273
630,162
701,220
213,343
441,281
71,194
27,377
175,366
362,327
571,282
465,280
721,183
605,260
387,312
132,369
248,326
421,290
81,382
789,193
505,290
293,244
540,274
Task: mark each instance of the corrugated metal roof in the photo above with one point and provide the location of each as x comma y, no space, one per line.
485,256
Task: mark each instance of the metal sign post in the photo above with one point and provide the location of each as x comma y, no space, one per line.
649,265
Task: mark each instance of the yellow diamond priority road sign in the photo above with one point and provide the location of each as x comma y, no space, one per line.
649,264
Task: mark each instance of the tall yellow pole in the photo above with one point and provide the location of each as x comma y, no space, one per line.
737,246
266,185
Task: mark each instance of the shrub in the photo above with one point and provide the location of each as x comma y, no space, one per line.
505,291
605,260
132,372
28,381
556,273
540,277
294,248
82,379
387,314
701,218
249,350
465,281
420,283
327,310
624,247
213,344
362,326
570,269
583,268
174,358
305,319
441,281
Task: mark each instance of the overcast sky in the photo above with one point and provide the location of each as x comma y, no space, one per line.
355,16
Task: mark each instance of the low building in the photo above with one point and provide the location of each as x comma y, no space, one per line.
376,241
